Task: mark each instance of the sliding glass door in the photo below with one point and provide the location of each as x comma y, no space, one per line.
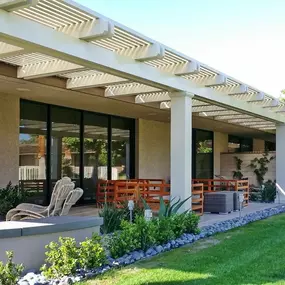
57,142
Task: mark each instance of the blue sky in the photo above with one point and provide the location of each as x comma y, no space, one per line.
243,38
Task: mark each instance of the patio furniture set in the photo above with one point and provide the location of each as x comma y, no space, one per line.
208,195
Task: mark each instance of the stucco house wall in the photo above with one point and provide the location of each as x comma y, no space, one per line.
153,156
228,165
9,139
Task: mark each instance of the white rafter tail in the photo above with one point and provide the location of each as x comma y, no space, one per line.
262,126
229,117
212,81
272,103
44,69
207,108
165,105
96,80
245,120
236,90
152,97
92,30
130,89
13,5
267,128
260,96
281,110
7,50
261,123
188,68
150,52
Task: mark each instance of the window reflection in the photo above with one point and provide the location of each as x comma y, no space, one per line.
32,150
65,144
95,152
121,148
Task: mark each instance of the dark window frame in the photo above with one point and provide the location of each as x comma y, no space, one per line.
125,121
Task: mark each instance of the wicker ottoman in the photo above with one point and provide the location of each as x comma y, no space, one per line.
219,202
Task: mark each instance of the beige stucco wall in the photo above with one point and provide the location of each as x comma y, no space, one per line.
228,165
258,145
9,139
220,145
153,157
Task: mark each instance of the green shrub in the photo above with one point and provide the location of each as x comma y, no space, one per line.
91,253
178,225
10,197
146,233
268,194
142,234
112,217
124,241
64,257
10,272
61,258
163,230
191,221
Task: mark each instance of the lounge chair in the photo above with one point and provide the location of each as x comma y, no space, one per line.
60,192
71,199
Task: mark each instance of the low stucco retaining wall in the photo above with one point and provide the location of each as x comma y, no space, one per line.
28,238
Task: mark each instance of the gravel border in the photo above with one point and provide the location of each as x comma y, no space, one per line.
31,278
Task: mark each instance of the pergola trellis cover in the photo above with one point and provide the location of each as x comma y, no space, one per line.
62,38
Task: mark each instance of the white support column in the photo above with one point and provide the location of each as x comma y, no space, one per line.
280,163
181,146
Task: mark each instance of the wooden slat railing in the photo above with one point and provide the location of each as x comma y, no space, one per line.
226,185
150,190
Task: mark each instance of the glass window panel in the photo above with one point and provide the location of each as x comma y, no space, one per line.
270,146
65,144
32,150
203,154
120,148
95,153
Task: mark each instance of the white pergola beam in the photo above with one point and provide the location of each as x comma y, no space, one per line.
195,103
218,113
71,49
245,120
7,50
152,97
165,105
208,108
12,5
188,68
261,126
272,103
260,96
96,80
212,81
229,117
235,90
129,89
256,123
151,52
44,69
90,31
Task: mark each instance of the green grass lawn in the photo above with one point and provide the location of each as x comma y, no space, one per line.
254,254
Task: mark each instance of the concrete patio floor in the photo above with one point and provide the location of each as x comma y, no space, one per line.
206,220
